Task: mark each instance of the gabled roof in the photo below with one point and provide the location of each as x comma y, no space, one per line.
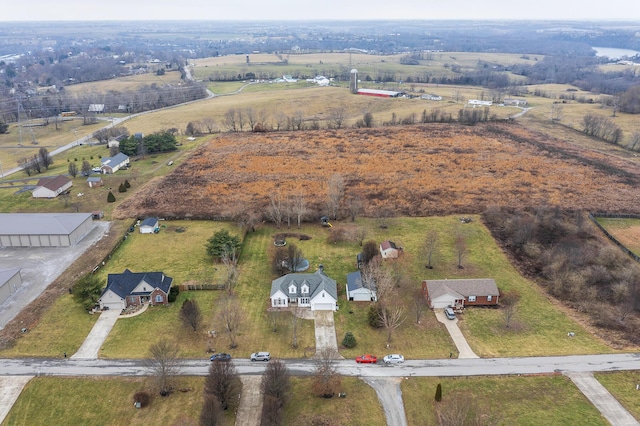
40,223
94,179
115,160
385,245
123,284
54,182
354,282
317,282
463,287
150,221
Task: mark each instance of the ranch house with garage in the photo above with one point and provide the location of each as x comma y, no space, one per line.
135,288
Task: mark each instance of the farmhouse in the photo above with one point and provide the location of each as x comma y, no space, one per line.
317,291
135,288
357,291
460,293
43,229
113,164
10,282
150,225
51,187
389,250
379,93
515,102
430,97
98,108
475,102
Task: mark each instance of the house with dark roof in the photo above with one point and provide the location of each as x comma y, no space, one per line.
316,291
358,291
389,250
460,293
111,165
52,186
135,288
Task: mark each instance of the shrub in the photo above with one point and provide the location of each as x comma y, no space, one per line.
439,393
373,316
349,340
127,184
143,398
111,198
337,235
122,188
173,294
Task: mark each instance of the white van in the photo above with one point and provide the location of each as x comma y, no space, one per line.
448,312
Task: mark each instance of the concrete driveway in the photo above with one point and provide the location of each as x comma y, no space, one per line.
600,397
325,332
250,409
10,389
464,350
390,397
98,334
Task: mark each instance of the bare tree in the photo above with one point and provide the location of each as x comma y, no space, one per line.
190,314
114,150
337,117
222,382
164,365
295,325
25,164
335,193
294,256
509,301
230,120
556,112
73,169
378,277
274,320
354,205
210,415
65,197
391,317
86,168
209,124
359,234
229,259
462,409
35,162
45,158
299,207
431,247
634,141
230,316
275,210
276,387
418,305
326,378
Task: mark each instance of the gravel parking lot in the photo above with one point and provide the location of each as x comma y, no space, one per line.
40,266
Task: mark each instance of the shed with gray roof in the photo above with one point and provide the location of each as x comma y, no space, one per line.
460,293
43,229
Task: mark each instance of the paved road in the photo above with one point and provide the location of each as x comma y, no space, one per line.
299,367
600,397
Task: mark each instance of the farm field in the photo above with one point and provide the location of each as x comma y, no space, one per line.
127,83
627,231
522,400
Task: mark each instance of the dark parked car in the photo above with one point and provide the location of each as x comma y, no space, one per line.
220,357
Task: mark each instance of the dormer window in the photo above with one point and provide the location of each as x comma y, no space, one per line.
292,289
305,289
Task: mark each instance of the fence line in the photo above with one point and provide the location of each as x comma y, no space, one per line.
120,241
192,287
613,239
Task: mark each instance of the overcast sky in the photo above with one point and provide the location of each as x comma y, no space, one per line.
57,10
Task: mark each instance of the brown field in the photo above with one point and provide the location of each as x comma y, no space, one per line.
415,171
123,84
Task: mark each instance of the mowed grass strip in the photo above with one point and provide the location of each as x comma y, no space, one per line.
623,385
359,408
105,401
62,329
522,400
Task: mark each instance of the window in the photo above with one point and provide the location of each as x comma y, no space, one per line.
305,289
489,298
159,298
292,289
472,298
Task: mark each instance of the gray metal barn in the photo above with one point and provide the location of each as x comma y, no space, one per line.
43,229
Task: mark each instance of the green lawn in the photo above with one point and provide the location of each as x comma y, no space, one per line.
522,400
360,407
105,401
622,385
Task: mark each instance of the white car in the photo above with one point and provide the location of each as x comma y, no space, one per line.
393,359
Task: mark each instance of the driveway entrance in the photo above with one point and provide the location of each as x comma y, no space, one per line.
325,332
464,350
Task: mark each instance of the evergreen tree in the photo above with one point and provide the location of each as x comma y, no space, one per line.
439,393
111,198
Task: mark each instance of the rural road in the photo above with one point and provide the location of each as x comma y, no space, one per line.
416,368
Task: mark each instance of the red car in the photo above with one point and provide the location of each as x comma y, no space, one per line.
366,359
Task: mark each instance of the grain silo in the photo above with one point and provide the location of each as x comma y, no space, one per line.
353,83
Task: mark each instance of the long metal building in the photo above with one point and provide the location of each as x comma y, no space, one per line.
43,229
